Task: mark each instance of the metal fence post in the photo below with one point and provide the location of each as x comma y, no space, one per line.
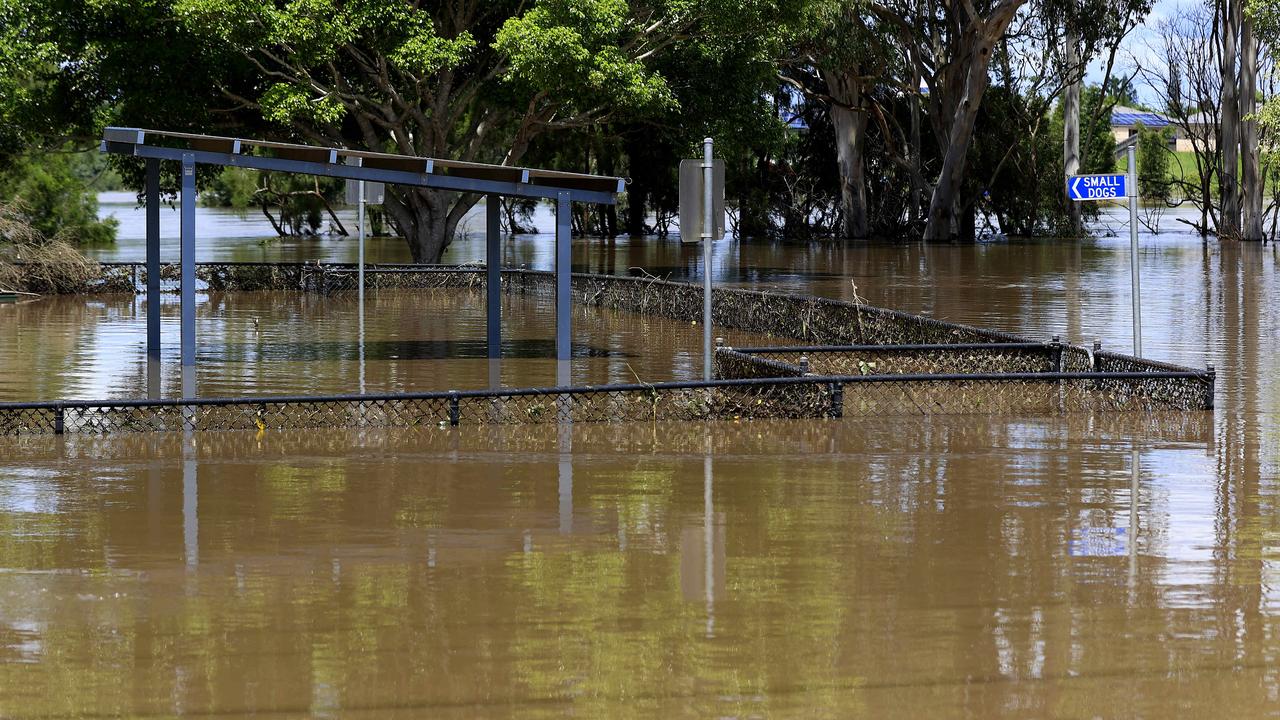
1213,382
837,400
59,419
1055,353
455,413
804,364
1097,348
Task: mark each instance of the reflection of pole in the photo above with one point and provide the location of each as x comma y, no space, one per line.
1133,526
709,542
360,283
190,502
565,485
1136,281
708,228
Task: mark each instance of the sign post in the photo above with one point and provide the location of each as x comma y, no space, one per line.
1114,186
1134,278
702,207
708,165
357,192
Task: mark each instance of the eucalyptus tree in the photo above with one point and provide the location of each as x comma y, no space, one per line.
478,80
473,80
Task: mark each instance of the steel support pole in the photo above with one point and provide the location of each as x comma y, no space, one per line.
564,270
360,257
1135,275
360,281
153,278
188,275
153,260
493,274
708,228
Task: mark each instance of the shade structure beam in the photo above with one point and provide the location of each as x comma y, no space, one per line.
447,175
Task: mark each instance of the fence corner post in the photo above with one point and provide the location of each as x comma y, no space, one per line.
1213,383
1097,348
1055,354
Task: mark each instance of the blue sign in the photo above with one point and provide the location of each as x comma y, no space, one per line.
1098,187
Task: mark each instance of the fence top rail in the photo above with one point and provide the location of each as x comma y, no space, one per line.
949,347
621,388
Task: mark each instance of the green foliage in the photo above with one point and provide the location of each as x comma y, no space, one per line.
573,49
46,194
1097,144
233,188
1018,153
1153,163
294,204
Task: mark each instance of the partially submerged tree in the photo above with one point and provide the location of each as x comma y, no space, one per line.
477,80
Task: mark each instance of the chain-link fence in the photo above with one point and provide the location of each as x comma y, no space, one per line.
890,359
901,365
795,397
800,317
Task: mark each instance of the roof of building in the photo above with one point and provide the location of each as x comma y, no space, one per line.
1126,116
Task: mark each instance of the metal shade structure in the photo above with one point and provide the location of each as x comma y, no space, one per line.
493,181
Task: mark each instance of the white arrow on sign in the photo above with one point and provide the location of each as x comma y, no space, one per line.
1075,186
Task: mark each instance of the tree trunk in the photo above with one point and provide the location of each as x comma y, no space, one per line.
913,211
849,121
974,56
1251,180
1071,129
1229,137
428,219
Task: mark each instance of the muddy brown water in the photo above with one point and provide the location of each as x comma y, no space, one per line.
1082,566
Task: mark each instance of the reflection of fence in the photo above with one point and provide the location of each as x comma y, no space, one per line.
791,397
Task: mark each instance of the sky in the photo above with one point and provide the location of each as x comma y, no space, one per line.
1135,47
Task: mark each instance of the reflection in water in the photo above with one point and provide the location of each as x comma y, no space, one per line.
914,567
911,567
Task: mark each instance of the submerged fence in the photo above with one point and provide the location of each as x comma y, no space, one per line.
729,399
863,361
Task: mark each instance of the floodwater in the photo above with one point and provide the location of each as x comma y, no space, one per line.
1082,566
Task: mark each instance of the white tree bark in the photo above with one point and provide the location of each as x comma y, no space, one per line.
1251,178
973,57
1071,127
849,120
